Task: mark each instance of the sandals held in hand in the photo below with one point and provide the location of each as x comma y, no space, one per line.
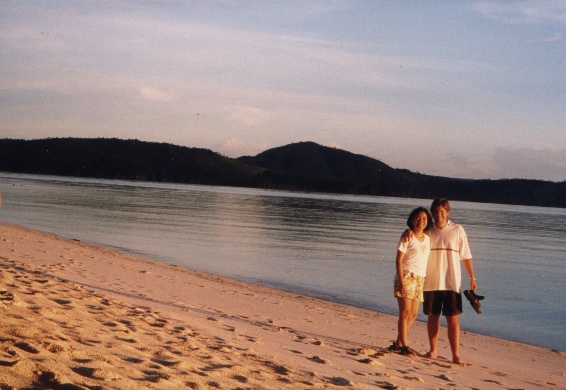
474,300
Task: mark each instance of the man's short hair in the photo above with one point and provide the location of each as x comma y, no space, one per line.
440,202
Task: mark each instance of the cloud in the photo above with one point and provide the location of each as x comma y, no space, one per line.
28,38
120,52
523,12
546,164
334,145
251,117
236,148
549,39
155,95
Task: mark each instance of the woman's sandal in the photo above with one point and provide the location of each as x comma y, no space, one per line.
394,347
407,351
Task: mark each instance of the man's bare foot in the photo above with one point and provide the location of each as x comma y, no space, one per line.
430,355
459,362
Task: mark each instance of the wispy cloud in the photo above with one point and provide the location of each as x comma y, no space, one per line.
24,37
156,95
546,163
549,39
164,53
249,116
521,12
236,147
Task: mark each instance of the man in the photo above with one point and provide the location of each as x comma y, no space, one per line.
449,249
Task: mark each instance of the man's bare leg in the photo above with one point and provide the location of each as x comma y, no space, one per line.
454,337
433,328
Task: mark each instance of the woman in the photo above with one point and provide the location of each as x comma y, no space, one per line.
411,261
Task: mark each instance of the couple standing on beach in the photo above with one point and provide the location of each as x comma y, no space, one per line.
428,270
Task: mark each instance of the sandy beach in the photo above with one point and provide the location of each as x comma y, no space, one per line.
77,316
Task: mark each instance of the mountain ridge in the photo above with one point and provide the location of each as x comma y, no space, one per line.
302,166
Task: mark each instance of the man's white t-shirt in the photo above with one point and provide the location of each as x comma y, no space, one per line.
416,255
448,246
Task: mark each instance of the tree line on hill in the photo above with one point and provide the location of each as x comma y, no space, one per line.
303,166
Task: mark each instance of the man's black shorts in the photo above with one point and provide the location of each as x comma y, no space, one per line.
449,303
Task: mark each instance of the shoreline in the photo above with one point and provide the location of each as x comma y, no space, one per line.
75,313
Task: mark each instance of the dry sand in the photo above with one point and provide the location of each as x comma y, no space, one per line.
77,316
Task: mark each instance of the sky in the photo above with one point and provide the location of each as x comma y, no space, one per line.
469,89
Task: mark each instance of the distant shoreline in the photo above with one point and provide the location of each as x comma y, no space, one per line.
302,166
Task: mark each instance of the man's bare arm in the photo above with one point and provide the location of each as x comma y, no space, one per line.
469,266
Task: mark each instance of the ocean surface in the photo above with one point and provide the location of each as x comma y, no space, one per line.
336,247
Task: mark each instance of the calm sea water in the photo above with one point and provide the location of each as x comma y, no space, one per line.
337,247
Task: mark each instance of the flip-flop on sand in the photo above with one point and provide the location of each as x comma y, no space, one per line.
474,300
407,351
394,347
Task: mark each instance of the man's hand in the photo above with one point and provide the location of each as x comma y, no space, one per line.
407,235
469,266
473,284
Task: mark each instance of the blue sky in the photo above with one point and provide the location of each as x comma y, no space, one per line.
472,89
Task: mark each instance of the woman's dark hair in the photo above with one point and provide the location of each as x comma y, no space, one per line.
416,212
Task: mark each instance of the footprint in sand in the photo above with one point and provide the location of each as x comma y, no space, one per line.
251,339
370,361
134,360
414,379
445,377
493,381
6,296
339,381
318,359
63,302
276,368
165,363
27,347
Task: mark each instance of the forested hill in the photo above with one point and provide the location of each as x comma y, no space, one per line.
304,166
124,159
